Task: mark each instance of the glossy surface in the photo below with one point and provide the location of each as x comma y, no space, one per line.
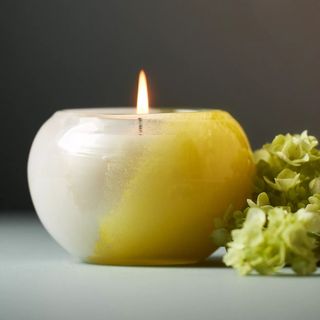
117,193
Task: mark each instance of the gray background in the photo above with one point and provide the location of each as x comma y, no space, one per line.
257,59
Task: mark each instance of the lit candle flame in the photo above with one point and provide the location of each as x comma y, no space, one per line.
143,100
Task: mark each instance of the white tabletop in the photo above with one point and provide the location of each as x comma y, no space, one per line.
38,280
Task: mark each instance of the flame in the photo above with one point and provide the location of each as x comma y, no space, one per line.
143,100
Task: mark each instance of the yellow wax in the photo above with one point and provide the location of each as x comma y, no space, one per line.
190,174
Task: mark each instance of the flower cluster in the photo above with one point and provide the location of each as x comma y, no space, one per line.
272,237
288,170
282,226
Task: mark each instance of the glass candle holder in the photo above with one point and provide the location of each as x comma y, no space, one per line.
118,188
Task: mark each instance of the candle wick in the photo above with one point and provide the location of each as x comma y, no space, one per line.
140,126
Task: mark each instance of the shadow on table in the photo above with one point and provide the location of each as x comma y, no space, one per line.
212,262
215,262
286,275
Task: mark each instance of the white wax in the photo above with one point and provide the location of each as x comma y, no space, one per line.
78,167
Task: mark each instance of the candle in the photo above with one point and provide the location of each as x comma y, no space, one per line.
117,187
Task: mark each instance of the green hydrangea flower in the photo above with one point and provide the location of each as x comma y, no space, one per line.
294,149
253,248
281,225
271,238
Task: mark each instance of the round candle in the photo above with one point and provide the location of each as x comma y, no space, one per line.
120,188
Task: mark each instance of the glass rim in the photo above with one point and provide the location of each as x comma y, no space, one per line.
129,113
